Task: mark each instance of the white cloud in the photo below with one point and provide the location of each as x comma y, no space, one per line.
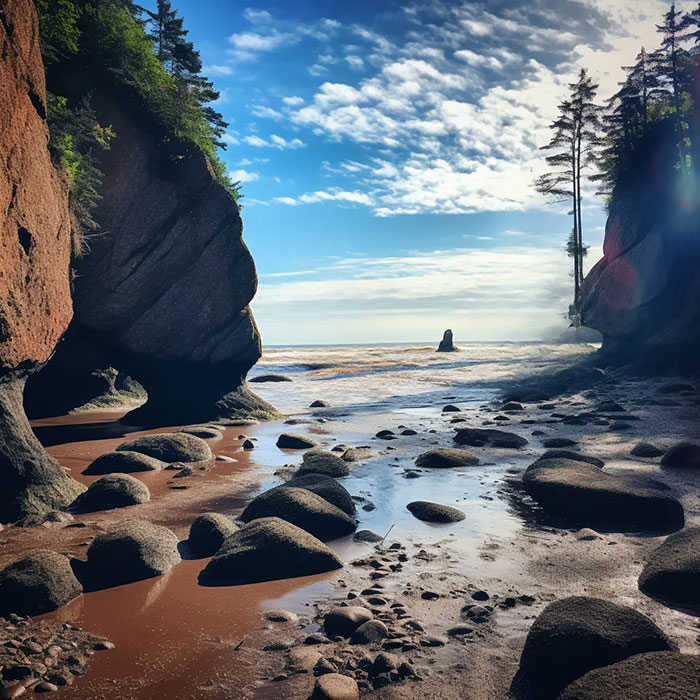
265,112
243,176
482,292
293,101
274,141
355,62
334,195
217,70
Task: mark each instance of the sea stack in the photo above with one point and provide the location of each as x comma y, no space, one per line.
446,344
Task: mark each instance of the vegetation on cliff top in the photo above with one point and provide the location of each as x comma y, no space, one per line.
603,143
147,51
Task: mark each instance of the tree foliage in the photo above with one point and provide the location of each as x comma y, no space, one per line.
144,50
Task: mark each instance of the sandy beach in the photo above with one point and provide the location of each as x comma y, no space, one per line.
507,557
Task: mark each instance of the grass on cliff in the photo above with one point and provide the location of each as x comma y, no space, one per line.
109,38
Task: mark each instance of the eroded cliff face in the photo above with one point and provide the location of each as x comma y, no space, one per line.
35,303
643,294
163,292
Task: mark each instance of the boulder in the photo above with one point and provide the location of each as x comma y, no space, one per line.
480,437
325,487
111,491
685,455
672,572
435,512
205,432
36,583
646,450
302,508
123,462
319,404
446,344
660,675
369,632
335,686
367,536
262,378
318,461
576,456
345,619
289,441
163,295
642,294
208,532
512,406
451,408
170,447
357,454
558,442
129,552
268,549
585,495
35,257
445,458
574,635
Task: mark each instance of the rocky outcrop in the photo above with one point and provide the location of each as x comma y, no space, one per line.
163,293
642,295
446,344
35,304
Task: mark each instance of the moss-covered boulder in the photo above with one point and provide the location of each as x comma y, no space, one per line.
325,487
445,458
302,508
36,583
268,549
208,532
123,462
129,552
574,635
435,512
322,462
170,447
111,491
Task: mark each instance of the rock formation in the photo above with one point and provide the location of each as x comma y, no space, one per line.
35,304
642,295
446,344
163,293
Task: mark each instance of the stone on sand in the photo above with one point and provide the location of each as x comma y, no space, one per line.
129,552
289,441
646,449
268,549
367,536
335,686
208,532
357,454
325,487
661,675
558,442
685,455
319,404
261,378
170,447
370,631
435,512
206,432
124,462
111,491
38,582
319,461
480,437
575,635
672,572
302,508
344,620
584,494
445,458
576,456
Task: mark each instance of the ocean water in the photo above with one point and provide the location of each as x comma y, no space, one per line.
364,378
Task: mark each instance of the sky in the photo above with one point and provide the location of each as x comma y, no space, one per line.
387,151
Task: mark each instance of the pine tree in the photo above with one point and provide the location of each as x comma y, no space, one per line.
674,69
576,136
180,57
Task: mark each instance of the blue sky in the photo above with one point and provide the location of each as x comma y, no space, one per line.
387,152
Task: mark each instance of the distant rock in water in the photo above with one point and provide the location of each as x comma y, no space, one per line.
446,344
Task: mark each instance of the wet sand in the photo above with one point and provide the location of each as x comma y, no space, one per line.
175,638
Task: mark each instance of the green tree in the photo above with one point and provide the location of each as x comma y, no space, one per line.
575,139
